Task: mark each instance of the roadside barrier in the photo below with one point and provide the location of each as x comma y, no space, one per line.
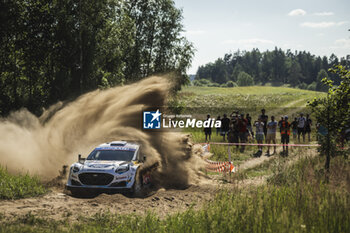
227,166
220,166
216,166
257,144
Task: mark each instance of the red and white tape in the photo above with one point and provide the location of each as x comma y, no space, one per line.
258,144
220,166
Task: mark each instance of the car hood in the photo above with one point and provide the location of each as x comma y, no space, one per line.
103,165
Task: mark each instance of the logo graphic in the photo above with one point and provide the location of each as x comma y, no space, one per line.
151,120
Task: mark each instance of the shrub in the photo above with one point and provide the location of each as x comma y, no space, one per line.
231,84
19,186
245,79
312,86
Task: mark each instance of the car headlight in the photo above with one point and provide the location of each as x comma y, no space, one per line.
122,169
76,169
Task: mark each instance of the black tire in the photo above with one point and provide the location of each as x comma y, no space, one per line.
136,189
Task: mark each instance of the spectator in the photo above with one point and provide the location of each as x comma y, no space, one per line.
280,123
207,131
225,126
242,131
271,135
308,124
301,127
285,132
294,126
249,124
264,119
218,129
234,135
259,134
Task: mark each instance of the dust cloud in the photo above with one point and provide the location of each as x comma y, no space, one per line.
42,145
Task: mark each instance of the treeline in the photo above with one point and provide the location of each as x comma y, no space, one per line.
298,69
54,50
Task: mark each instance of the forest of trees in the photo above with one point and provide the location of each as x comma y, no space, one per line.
57,50
298,69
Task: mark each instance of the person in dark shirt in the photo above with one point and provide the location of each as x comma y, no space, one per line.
249,124
308,125
242,130
280,123
264,118
225,126
294,126
207,131
233,135
218,129
285,132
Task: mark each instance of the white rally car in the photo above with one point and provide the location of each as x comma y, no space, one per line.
110,166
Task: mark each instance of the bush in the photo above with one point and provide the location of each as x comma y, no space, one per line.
223,85
312,86
204,83
19,186
302,86
231,84
214,85
245,79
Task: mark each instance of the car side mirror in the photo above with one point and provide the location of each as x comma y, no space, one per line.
80,159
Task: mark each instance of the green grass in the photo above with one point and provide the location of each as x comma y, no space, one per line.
297,201
217,100
19,186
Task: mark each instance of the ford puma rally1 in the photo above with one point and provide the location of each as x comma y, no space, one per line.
110,166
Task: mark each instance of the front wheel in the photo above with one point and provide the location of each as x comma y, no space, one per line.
138,183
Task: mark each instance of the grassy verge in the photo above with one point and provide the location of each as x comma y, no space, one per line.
19,186
276,100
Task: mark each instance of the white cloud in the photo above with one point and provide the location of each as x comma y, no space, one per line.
252,41
322,24
297,12
342,44
325,13
195,32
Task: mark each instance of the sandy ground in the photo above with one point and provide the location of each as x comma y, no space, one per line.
60,205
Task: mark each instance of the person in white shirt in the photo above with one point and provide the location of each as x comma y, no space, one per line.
271,134
301,127
259,135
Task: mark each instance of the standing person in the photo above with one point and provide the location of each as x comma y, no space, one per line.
280,123
234,130
264,119
218,129
259,134
207,130
249,124
225,126
301,127
271,135
294,126
242,131
285,132
308,124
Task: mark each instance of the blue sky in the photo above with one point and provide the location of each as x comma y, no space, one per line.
223,26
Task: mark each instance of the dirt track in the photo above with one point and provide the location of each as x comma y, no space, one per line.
58,205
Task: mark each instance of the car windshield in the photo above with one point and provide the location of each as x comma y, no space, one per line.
118,155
